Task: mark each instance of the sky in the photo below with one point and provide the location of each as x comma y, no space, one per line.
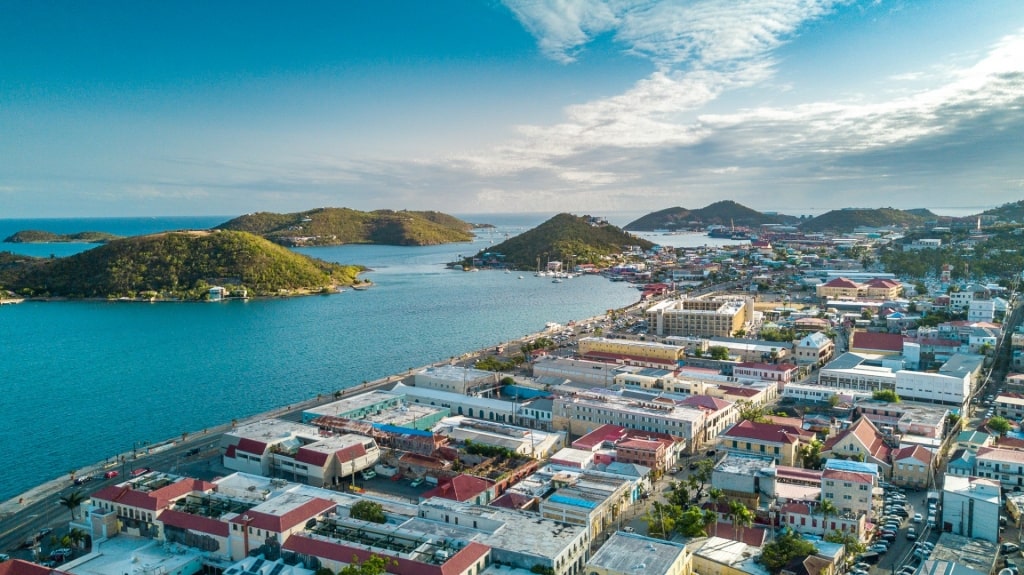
482,106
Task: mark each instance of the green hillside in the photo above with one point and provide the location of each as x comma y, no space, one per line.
721,213
336,226
846,220
1011,212
565,237
42,237
180,265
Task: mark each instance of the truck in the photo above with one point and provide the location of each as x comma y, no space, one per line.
385,470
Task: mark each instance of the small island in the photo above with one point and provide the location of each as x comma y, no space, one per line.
177,266
43,237
338,226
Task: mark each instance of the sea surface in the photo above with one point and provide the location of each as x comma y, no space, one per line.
85,381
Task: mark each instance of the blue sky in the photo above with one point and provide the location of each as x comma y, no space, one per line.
477,106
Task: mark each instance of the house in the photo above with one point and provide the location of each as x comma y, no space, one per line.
782,373
1003,465
814,349
780,442
463,488
961,463
852,492
806,517
1010,405
862,441
912,466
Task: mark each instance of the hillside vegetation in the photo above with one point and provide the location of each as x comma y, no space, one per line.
565,237
180,265
1011,212
722,213
848,219
43,237
336,226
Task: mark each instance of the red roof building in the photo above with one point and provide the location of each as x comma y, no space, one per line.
862,439
876,343
335,555
780,442
463,488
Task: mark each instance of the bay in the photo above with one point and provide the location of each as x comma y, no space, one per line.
84,381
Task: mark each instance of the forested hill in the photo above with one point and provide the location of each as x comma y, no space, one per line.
175,265
848,219
335,226
565,237
37,236
722,213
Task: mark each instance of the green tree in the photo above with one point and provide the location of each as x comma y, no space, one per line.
701,476
751,412
324,571
999,425
374,565
661,519
679,494
810,454
886,395
73,501
694,522
849,539
827,508
775,554
833,400
715,495
368,511
719,352
741,516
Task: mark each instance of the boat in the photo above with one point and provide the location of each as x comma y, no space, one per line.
508,271
556,281
11,301
520,277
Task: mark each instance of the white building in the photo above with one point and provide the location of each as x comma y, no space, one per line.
457,379
970,507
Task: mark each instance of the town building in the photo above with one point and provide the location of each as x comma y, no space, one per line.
743,476
629,554
906,417
584,412
862,441
753,350
605,349
457,379
613,443
781,373
1003,465
700,317
592,501
873,343
379,408
1009,405
913,466
852,492
296,452
780,442
814,349
459,404
519,440
970,507
720,556
806,517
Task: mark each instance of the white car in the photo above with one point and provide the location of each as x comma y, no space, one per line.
918,518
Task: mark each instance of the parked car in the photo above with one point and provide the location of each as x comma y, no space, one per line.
879,548
416,482
918,518
140,471
1009,548
674,470
111,474
83,479
44,532
911,534
628,529
368,474
192,451
4,557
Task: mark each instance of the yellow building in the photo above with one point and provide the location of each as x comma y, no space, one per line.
840,288
700,317
912,466
644,350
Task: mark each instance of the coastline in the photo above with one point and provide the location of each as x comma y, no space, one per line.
12,506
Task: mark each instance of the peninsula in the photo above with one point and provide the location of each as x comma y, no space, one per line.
44,237
176,266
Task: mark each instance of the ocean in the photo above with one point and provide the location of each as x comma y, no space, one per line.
84,381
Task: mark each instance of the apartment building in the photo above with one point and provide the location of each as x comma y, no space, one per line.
582,413
814,349
912,466
1003,465
780,442
700,317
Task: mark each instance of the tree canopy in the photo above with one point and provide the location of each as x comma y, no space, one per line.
775,554
368,511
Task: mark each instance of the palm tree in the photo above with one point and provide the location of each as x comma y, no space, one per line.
741,516
827,508
715,495
73,501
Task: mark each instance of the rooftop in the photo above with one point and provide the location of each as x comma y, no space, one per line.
629,552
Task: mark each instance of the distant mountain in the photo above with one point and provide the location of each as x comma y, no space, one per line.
722,213
42,237
848,219
336,226
924,213
180,265
567,238
1011,212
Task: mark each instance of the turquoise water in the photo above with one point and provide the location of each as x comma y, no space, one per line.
83,381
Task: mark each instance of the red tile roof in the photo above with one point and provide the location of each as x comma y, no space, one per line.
876,341
351,452
867,435
192,522
741,391
513,500
851,476
341,552
251,446
882,283
281,523
460,488
785,472
841,282
600,435
640,444
768,432
312,457
913,452
230,452
22,567
783,367
154,500
753,536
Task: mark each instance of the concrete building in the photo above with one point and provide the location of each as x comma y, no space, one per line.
700,317
528,442
1003,465
296,452
752,350
585,412
970,507
852,492
913,466
744,476
864,441
458,379
906,417
605,349
1009,405
592,501
780,373
381,409
720,556
629,554
595,373
458,404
